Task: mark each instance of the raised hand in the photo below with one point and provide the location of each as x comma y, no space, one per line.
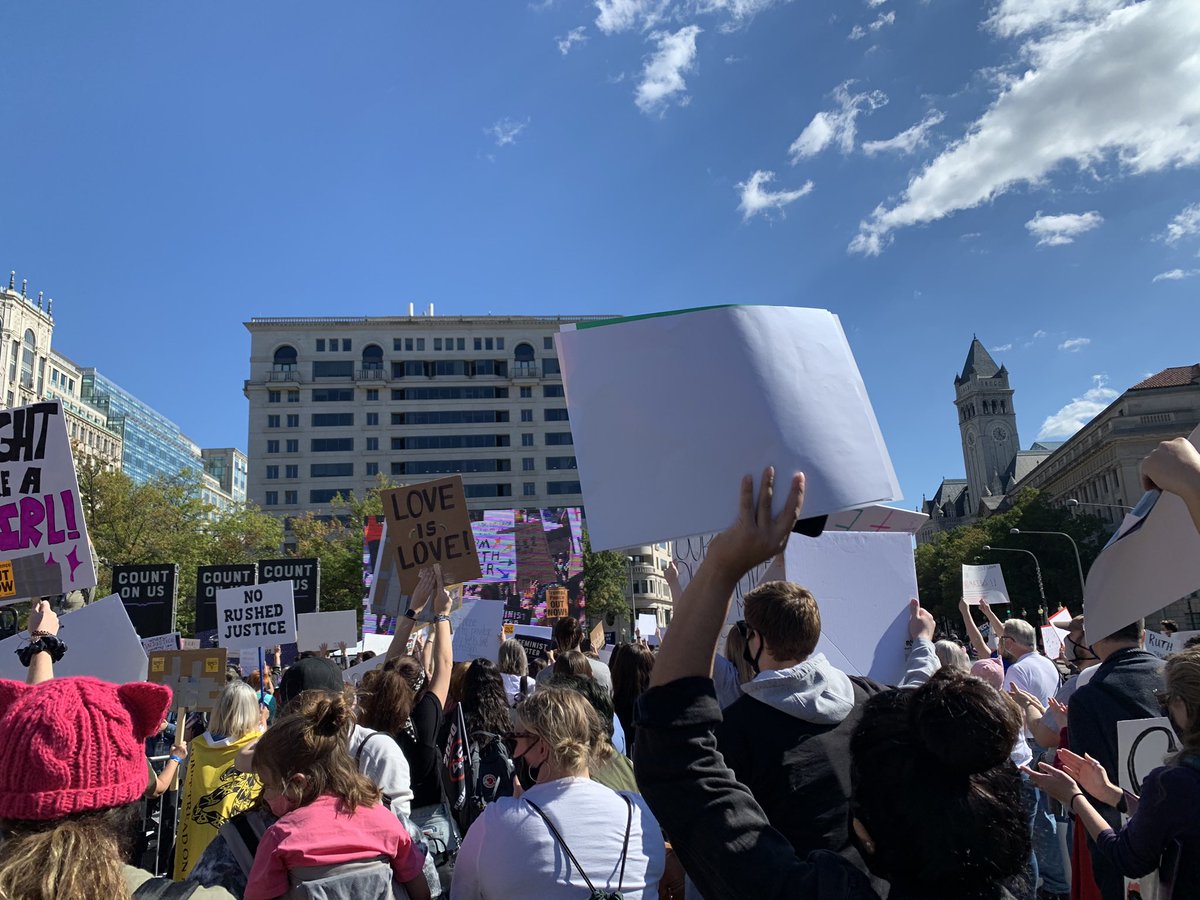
1173,466
43,619
426,583
921,624
757,535
1025,699
442,601
1090,775
1055,782
671,576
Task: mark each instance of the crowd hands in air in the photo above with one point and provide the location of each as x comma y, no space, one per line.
762,772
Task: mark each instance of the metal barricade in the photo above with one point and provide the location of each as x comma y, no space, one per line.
156,839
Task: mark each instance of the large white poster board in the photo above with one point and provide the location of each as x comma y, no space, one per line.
1152,561
44,548
476,626
984,583
748,387
863,584
256,615
100,642
330,628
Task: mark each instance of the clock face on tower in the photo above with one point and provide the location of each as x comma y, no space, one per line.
1000,434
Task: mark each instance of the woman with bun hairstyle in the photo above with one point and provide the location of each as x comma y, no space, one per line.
330,814
936,804
567,833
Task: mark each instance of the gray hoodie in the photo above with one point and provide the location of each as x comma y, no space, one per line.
814,691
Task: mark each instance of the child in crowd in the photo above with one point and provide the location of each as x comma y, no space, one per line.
330,814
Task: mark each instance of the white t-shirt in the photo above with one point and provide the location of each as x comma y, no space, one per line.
510,851
512,686
1035,674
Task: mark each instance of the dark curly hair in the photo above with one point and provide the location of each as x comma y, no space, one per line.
485,705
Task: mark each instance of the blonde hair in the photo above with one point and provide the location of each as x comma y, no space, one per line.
236,713
568,724
80,856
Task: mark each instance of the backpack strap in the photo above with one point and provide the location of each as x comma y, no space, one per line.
571,856
358,753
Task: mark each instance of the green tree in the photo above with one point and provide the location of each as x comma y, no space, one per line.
605,582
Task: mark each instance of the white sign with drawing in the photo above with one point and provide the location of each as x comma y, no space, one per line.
476,626
984,583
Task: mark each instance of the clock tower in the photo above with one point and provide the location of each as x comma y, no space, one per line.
987,423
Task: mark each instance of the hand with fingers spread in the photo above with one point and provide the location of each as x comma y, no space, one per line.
757,535
427,582
1055,782
1090,776
1059,709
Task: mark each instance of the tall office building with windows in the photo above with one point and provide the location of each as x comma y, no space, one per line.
337,402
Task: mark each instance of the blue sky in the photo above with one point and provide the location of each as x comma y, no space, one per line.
1023,169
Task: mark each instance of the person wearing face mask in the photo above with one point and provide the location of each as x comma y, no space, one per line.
566,834
1163,831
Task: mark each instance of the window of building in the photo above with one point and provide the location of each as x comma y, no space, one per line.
274,396
450,417
489,344
372,468
449,441
320,345
372,418
450,466
372,443
333,345
372,358
331,445
499,343
523,353
529,489
272,473
554,415
527,415
292,471
437,343
271,498
284,359
478,343
272,421
293,420
291,498
527,464
272,446
547,343
332,420
332,395
398,345
488,490
526,393
325,495
553,390
331,470
345,345
450,393
293,396
560,462
562,487
558,438
341,369
293,446
550,367
372,394
527,440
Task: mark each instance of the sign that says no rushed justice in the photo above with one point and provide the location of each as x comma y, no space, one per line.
260,615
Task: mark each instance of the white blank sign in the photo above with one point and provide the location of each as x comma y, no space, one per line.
315,629
100,642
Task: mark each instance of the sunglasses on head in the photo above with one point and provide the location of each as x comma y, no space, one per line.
512,737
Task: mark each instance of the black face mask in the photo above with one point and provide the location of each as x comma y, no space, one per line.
752,661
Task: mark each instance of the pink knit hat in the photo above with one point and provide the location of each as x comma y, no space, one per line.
74,745
990,670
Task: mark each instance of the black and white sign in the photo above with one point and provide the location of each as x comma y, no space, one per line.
209,580
148,592
304,574
261,615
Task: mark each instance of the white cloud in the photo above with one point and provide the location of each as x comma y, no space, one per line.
857,33
505,131
662,76
757,199
836,125
620,15
874,3
614,16
910,139
883,20
1184,225
1074,345
1175,275
1003,348
1054,231
570,39
1079,411
1099,85
1039,334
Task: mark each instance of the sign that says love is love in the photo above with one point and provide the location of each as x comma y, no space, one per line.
429,524
261,615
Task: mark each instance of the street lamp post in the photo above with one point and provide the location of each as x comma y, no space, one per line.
1074,546
1037,568
1072,502
632,603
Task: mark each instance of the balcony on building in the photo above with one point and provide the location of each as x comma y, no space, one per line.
371,368
525,366
283,366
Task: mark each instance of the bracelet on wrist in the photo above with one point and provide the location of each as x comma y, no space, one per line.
410,613
1075,796
175,759
46,644
441,618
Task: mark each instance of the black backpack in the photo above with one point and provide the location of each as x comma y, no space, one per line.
490,772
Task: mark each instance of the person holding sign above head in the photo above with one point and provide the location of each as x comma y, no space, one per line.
934,803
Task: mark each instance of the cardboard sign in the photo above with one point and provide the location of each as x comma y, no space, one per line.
1180,638
209,580
42,533
329,628
148,592
984,583
597,636
256,616
304,574
536,639
384,596
862,583
100,642
507,629
789,394
1053,640
195,677
476,626
428,523
160,642
556,602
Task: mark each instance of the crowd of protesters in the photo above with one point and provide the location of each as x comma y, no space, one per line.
729,763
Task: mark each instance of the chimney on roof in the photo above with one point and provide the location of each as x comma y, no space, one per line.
410,310
431,309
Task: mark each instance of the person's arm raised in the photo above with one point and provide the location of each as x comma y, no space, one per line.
755,537
42,621
406,623
1174,466
993,620
982,650
443,641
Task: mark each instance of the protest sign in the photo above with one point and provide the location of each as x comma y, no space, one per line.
647,625
100,642
789,394
476,626
597,636
556,602
1161,645
507,629
161,642
384,596
1053,640
428,523
354,674
877,518
536,639
1180,638
689,552
209,580
190,643
148,592
1062,618
1143,745
862,583
256,616
44,547
195,677
304,574
984,583
329,628
1152,561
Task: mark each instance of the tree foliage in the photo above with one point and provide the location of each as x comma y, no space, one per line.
939,563
605,581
